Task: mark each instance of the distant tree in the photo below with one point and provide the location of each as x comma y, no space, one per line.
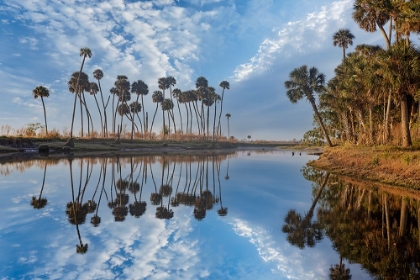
42,92
227,117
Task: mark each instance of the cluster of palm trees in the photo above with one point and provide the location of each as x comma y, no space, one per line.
196,105
374,90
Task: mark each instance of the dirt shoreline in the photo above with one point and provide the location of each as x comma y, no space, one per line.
387,165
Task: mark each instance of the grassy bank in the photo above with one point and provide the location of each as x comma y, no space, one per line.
389,165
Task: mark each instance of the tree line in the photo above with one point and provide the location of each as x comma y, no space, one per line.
195,104
374,97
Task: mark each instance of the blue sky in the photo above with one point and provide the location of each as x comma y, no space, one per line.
253,44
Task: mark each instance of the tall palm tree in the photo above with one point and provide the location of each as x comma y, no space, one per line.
400,66
141,88
123,91
343,38
227,117
98,75
85,52
41,91
177,94
135,108
304,83
77,84
157,98
93,91
224,85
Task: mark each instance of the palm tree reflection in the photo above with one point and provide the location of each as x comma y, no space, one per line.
303,232
40,202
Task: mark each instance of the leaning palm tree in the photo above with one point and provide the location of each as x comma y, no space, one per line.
42,92
343,38
224,85
83,52
304,83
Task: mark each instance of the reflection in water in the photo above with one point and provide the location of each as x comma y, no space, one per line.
370,224
190,180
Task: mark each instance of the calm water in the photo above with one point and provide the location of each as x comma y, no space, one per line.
244,215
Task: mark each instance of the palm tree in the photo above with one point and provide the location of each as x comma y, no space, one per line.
77,84
400,66
98,75
224,85
122,86
372,14
93,91
41,91
343,38
141,88
83,52
157,98
303,84
227,117
178,96
135,108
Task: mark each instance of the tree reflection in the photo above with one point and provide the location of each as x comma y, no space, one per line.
303,232
40,202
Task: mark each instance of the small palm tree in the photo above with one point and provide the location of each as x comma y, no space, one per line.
343,38
157,98
303,83
228,116
42,92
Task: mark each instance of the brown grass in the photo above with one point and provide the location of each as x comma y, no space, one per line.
389,165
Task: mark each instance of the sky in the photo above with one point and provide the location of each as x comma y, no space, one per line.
252,44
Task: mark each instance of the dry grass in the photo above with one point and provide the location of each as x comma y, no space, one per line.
390,165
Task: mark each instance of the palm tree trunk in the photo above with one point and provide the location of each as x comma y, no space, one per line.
74,111
113,113
100,115
191,116
321,124
164,128
145,128
228,127
196,117
45,116
81,113
405,128
105,124
188,117
219,128
76,88
180,115
214,119
153,120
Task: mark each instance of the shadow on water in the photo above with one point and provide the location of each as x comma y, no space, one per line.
374,225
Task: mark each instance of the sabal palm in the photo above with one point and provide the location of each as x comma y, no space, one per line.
77,85
343,38
41,91
373,14
141,88
224,85
85,52
98,75
177,94
157,98
93,91
135,108
400,65
304,83
228,117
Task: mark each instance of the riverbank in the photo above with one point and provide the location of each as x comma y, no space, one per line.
16,149
389,165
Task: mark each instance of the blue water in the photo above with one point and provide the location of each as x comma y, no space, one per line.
248,243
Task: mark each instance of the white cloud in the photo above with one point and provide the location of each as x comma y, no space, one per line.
308,35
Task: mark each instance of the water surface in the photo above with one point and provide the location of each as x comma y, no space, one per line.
243,215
